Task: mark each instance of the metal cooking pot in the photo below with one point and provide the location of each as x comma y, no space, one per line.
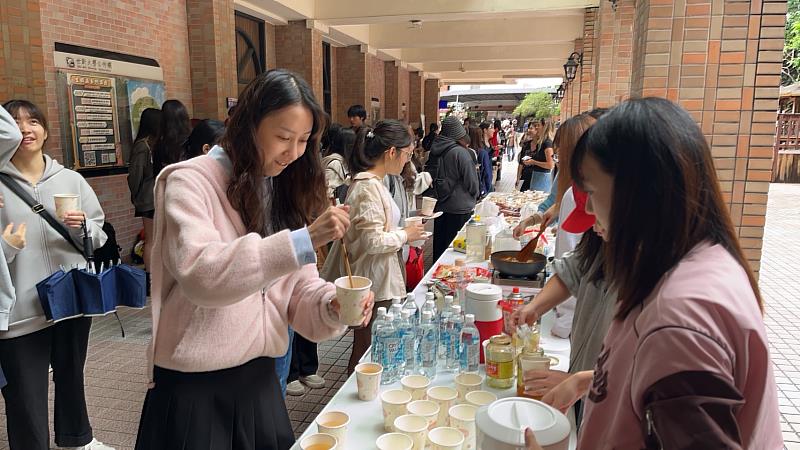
518,269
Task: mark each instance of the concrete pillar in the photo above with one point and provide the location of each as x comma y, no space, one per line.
416,91
721,61
298,47
431,107
212,56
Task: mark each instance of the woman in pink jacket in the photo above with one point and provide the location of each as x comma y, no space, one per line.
233,267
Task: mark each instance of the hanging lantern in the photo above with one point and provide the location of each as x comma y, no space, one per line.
571,66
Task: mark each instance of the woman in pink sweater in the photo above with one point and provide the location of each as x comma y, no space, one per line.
685,363
229,276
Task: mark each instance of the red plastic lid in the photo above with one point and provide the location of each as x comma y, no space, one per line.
515,290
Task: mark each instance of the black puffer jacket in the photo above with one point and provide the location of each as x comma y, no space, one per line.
455,183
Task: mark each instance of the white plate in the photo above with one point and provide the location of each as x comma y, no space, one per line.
435,215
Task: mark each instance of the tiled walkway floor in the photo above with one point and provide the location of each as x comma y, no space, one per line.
115,371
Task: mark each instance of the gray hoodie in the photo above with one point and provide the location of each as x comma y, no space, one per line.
10,137
45,250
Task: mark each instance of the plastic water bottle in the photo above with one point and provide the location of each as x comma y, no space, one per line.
444,319
428,346
454,338
408,338
391,345
396,310
411,305
470,345
377,343
430,297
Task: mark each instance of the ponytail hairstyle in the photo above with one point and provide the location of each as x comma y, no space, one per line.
371,144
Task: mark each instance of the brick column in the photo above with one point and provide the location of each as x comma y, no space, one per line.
587,68
615,39
721,61
416,93
22,72
575,86
351,69
298,47
431,107
212,56
397,91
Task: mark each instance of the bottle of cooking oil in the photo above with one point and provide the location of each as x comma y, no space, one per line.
500,362
476,240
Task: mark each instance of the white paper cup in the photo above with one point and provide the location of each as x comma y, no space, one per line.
428,204
66,202
462,418
415,427
351,312
445,397
334,423
319,441
394,441
427,409
394,405
467,382
446,438
479,398
368,379
416,385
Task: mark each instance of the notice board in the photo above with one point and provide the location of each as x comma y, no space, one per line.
94,121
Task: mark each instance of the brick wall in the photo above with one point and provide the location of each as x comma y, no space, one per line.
575,85
721,61
350,81
299,49
615,33
587,68
415,98
403,94
397,91
21,52
376,85
431,105
269,35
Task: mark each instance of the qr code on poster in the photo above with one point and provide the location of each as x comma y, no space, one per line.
104,158
89,159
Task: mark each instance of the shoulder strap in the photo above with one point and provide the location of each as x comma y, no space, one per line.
38,208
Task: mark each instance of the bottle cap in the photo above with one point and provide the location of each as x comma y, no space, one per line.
515,290
470,317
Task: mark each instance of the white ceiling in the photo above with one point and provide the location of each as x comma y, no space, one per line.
459,41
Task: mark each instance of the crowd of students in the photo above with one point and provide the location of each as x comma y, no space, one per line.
245,224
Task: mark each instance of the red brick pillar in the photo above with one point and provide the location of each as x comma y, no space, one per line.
431,107
397,91
416,93
212,56
22,74
615,41
587,68
298,47
351,69
574,87
721,61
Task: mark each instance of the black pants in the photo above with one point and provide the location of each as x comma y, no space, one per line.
25,362
445,229
304,358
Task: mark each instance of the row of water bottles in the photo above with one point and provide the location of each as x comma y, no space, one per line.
407,340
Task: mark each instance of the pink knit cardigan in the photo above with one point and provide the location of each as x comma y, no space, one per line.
222,297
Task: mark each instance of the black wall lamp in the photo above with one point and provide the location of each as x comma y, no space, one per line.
571,67
561,91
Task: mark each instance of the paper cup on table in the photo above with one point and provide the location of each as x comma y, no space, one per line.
416,385
351,312
334,423
479,398
467,382
66,202
427,409
428,204
462,418
446,438
394,405
394,441
319,441
368,379
445,397
415,427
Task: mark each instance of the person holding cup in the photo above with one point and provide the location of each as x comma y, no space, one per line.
233,267
28,343
375,239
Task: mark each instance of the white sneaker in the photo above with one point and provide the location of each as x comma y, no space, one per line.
295,388
94,445
313,381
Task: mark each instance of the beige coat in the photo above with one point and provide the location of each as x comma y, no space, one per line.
373,239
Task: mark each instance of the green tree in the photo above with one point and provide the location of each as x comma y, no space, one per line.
790,72
538,105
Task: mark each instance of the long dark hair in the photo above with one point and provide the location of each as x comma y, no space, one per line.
298,195
175,128
475,137
149,125
564,143
208,131
666,198
342,143
371,144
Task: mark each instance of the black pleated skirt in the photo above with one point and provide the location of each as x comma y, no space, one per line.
231,409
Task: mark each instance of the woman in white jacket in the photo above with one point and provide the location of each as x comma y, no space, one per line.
374,237
28,343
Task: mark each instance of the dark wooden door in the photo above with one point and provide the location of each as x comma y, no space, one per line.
250,48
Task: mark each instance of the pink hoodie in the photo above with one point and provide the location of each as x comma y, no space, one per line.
221,296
